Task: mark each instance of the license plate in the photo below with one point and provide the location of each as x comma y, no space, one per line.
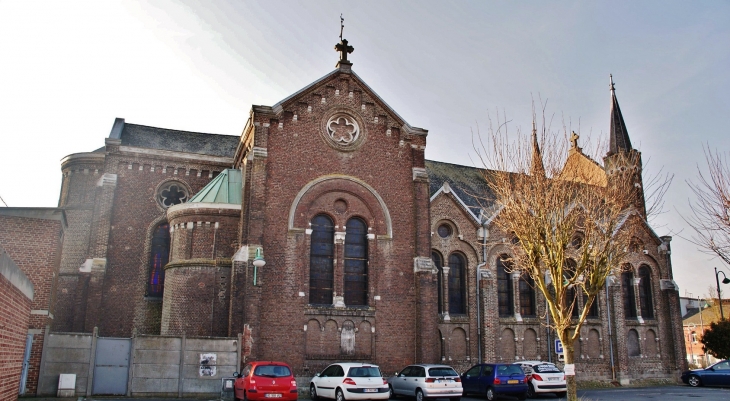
553,379
370,390
512,381
272,395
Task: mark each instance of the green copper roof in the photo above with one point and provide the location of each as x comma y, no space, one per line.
225,188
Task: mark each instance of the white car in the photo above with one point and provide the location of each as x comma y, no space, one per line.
349,381
543,377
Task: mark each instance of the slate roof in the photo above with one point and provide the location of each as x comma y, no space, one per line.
466,182
618,135
179,141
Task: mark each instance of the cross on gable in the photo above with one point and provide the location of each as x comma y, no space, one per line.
344,49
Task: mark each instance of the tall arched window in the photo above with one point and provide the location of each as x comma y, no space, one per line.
321,261
571,296
159,257
527,295
627,284
504,287
645,295
356,263
457,285
593,312
438,262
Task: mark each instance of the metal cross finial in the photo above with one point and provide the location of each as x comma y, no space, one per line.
342,25
610,78
574,140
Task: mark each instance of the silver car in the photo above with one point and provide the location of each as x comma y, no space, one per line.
426,381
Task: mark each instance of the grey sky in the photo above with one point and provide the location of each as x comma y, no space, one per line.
69,68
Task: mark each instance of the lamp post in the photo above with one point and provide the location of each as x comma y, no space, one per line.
725,280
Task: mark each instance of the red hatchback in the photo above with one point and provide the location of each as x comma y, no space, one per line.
265,380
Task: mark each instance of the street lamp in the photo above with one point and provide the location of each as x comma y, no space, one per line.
725,280
259,261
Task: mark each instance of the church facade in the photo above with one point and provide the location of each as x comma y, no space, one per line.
323,234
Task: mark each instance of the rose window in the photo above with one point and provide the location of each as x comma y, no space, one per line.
343,129
172,194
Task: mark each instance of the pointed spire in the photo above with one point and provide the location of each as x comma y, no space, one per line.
619,137
536,168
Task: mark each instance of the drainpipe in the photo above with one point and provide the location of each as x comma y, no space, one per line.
485,234
610,334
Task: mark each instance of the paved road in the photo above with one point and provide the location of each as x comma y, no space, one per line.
664,393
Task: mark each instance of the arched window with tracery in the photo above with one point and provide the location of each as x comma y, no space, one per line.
504,287
159,256
457,284
645,295
629,297
527,295
321,260
356,263
438,262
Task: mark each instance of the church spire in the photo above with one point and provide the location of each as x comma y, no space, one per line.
536,167
619,137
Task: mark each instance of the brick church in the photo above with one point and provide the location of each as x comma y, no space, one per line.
323,234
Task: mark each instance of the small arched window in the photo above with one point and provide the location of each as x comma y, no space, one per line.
321,260
159,256
356,263
504,287
645,295
457,284
527,295
627,284
438,262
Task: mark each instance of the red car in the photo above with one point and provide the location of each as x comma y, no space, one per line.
265,380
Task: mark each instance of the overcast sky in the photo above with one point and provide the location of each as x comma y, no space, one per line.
69,68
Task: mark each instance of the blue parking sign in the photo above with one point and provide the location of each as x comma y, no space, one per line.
558,347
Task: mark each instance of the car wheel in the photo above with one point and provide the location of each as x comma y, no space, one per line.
455,398
530,390
419,395
522,396
313,392
244,396
339,395
490,394
393,395
694,381
561,394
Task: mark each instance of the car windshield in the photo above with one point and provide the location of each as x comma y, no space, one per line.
272,371
442,371
365,371
546,368
505,370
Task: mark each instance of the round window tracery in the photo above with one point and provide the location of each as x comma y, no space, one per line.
172,193
343,129
444,231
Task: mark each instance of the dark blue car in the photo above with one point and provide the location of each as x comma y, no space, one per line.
492,379
715,375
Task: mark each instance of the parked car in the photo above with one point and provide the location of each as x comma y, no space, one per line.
426,381
492,379
715,375
265,380
544,377
349,381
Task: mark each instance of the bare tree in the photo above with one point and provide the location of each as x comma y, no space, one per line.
568,220
710,217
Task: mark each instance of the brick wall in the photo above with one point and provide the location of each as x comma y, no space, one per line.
16,294
32,239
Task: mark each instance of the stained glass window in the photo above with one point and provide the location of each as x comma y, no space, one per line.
647,304
356,263
438,261
158,259
527,295
457,285
321,261
627,282
504,287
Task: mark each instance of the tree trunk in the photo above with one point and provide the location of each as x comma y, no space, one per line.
568,353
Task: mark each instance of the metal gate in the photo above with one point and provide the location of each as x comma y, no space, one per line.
111,367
